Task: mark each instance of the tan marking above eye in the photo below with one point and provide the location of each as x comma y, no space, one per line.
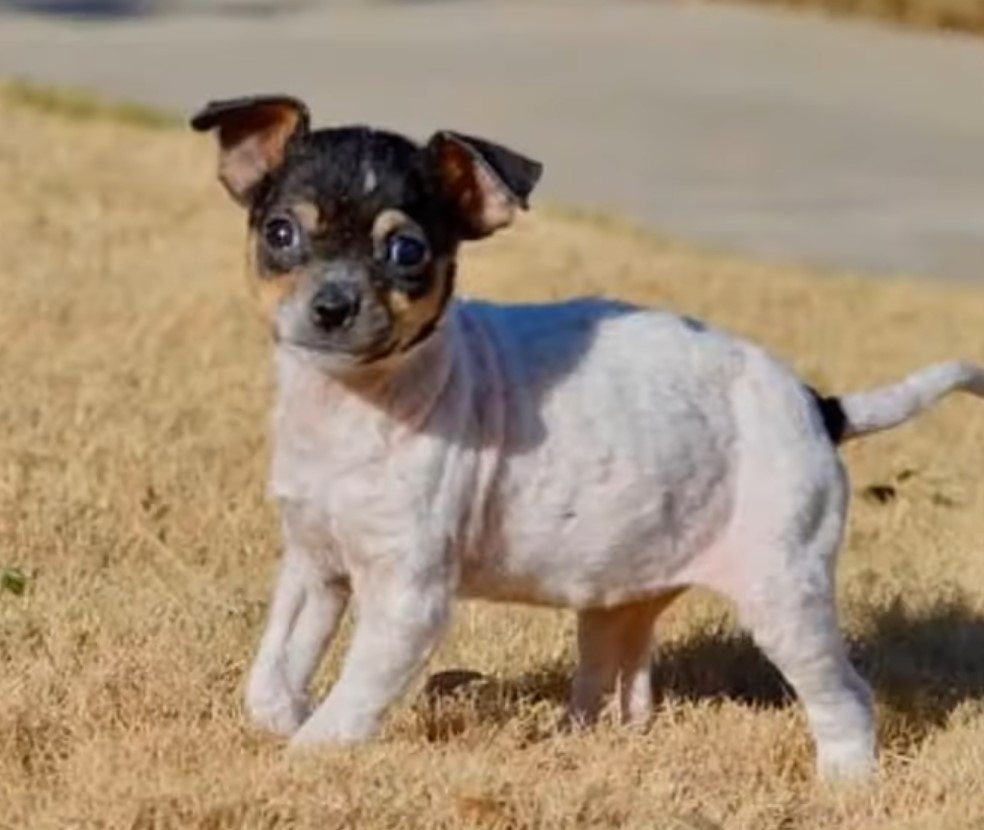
308,215
390,220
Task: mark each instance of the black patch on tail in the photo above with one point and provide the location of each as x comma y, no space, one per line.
834,419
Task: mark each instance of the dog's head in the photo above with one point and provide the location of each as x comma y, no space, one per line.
355,231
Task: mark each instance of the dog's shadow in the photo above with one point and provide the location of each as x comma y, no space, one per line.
922,665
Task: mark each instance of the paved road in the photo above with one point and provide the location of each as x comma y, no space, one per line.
846,144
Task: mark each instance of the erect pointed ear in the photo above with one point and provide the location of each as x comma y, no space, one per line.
253,134
485,182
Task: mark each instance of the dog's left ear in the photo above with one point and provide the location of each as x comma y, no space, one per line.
484,182
254,134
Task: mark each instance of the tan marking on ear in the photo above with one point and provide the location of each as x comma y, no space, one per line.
498,209
478,193
253,143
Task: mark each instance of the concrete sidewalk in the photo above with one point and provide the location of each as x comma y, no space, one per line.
784,136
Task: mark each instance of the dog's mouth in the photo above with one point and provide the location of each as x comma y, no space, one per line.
341,352
372,336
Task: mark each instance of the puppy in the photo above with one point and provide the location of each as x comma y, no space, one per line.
586,454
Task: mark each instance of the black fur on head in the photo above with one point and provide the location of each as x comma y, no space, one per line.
356,230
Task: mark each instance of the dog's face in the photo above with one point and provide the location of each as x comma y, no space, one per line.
355,231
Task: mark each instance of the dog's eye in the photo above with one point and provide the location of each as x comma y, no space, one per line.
280,233
405,251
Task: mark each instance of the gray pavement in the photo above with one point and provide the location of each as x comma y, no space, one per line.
780,135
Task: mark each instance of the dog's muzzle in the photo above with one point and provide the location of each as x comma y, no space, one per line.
335,305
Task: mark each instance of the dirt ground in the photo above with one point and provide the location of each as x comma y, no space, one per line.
134,397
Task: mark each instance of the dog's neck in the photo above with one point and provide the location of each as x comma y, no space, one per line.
397,393
359,428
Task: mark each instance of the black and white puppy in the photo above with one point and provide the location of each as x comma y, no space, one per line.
586,454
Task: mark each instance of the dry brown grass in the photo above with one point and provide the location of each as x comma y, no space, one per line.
945,15
134,387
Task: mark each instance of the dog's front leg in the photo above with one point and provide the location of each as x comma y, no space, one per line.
303,616
401,618
324,604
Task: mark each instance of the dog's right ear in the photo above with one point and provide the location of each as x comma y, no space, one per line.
484,182
254,134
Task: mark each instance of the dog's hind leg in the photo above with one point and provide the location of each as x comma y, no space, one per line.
786,598
635,662
598,635
615,647
798,632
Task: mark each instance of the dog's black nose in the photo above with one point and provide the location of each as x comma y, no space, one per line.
334,305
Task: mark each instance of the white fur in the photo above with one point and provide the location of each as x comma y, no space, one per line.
889,406
588,455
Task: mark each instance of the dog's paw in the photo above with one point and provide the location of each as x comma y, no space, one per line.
846,761
327,727
273,707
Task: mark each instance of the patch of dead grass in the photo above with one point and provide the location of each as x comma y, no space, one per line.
942,15
79,105
134,389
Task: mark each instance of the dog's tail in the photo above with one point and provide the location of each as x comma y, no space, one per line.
857,414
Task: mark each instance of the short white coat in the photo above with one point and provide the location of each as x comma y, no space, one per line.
586,454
